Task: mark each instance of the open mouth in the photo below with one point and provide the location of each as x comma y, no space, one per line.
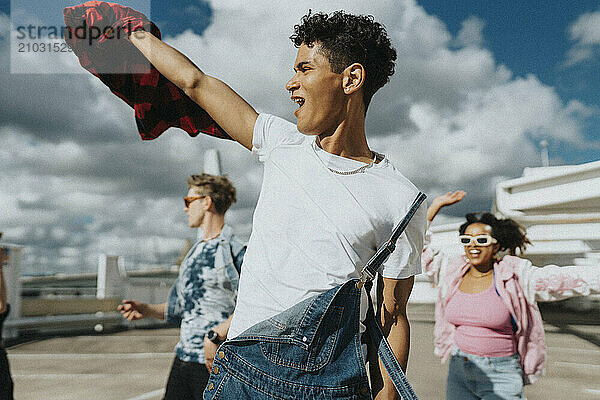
474,252
298,100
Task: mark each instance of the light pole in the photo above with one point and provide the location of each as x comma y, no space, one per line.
544,153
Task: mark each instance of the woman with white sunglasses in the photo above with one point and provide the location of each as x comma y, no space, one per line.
487,321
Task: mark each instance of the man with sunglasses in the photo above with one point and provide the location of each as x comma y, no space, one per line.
203,297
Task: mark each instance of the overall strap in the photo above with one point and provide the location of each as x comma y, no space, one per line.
386,355
384,351
370,269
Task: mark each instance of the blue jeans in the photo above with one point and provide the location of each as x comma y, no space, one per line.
310,351
488,378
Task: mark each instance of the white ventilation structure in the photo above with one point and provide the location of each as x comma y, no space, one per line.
560,208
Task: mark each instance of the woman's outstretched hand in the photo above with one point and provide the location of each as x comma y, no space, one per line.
449,198
443,201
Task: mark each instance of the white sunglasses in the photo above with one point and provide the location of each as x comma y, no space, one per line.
479,240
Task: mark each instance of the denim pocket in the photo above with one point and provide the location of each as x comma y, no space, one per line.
506,364
307,358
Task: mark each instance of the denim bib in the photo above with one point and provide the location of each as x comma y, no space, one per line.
311,350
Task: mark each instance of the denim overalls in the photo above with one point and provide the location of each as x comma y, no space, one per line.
311,350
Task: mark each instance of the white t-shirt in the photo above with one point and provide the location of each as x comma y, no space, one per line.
314,229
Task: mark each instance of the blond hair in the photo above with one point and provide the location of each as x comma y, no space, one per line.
218,188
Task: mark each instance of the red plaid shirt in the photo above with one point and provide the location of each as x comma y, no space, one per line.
158,103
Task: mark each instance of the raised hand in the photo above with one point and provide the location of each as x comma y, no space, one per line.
449,198
443,201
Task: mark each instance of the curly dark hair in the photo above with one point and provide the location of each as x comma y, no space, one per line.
346,39
218,188
509,234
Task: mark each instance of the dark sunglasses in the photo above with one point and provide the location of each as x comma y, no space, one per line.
189,199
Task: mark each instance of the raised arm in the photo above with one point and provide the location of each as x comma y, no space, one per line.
442,201
433,261
224,105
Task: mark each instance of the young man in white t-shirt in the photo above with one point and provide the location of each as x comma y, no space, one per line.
327,200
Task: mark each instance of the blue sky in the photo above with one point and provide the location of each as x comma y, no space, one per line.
532,37
529,37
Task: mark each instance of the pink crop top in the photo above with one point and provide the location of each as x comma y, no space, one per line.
483,323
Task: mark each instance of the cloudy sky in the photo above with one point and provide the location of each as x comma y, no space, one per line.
478,86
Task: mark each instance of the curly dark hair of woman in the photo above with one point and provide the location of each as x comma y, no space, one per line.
509,234
346,39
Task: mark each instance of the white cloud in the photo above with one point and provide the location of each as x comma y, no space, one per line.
78,177
471,32
585,32
491,132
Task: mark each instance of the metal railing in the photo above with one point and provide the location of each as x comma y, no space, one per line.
80,301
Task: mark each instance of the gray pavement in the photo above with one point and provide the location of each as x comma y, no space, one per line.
572,360
133,365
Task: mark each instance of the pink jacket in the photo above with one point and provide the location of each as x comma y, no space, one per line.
520,284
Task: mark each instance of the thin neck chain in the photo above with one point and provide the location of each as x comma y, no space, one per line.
351,172
482,275
357,170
